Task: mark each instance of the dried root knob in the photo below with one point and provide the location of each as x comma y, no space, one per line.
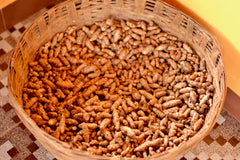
186,67
171,103
144,83
147,95
91,100
42,112
77,87
158,113
147,144
107,135
139,31
92,125
172,130
55,62
136,95
109,52
52,122
186,90
113,147
104,143
86,132
31,102
180,85
105,123
148,50
193,96
126,151
198,124
159,94
162,47
64,84
117,103
38,119
116,120
89,90
204,99
89,69
62,124
117,35
128,131
101,81
44,63
71,121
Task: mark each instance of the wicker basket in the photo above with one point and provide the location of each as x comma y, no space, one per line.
82,12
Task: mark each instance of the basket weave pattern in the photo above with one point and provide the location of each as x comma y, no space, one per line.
86,12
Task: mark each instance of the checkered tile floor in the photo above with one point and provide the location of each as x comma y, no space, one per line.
17,143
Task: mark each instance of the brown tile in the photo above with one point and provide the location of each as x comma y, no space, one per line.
221,140
31,157
11,40
32,137
1,85
13,152
208,139
22,29
12,29
215,126
32,147
2,52
16,119
183,158
233,141
3,66
21,125
7,107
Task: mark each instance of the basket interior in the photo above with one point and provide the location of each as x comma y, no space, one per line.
85,12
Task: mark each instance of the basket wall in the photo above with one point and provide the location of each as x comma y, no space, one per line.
82,12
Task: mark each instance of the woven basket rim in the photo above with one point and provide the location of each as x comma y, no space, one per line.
192,142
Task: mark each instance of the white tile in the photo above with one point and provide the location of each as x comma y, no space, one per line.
18,25
238,157
4,91
3,150
3,101
228,157
189,155
5,46
221,120
5,34
27,24
203,156
38,143
16,34
9,101
5,81
50,156
215,156
40,153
